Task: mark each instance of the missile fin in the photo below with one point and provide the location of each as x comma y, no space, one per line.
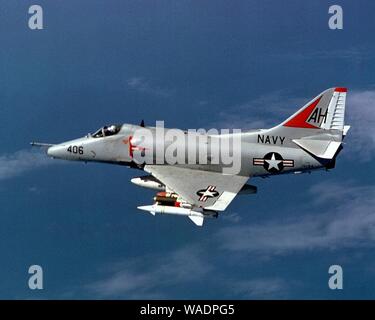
197,220
149,209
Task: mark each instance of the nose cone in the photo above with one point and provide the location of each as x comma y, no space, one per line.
57,151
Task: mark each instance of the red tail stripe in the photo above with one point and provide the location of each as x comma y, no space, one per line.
341,90
299,121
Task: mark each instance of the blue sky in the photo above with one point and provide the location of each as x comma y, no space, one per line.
238,64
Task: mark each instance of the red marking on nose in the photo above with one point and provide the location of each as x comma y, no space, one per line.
131,146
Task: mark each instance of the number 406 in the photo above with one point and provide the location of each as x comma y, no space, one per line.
75,149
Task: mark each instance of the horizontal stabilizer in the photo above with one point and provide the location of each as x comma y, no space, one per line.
320,148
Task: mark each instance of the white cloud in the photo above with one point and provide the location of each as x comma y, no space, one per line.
348,220
263,112
34,189
261,288
15,164
142,85
152,277
232,217
147,276
360,111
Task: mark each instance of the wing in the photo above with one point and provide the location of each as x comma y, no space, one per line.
208,190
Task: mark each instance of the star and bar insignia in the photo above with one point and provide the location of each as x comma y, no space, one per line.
273,162
209,192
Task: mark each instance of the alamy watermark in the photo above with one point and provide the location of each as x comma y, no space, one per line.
36,279
36,18
159,145
336,280
336,21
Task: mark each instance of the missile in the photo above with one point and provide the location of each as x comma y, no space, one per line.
196,215
148,182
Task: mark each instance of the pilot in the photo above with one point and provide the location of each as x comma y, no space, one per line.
112,129
108,131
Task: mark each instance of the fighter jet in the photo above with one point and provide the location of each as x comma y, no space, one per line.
308,140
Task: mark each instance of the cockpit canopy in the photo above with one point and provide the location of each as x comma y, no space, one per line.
107,131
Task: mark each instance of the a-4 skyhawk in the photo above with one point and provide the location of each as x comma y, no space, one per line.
202,186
